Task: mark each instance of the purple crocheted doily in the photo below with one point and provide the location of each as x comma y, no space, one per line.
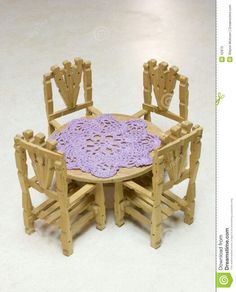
101,146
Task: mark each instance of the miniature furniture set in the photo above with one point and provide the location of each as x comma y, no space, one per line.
72,165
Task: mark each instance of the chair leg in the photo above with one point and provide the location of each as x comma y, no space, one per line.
189,210
66,234
67,243
100,202
29,218
118,200
29,223
156,227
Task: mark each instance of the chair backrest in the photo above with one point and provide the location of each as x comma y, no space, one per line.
67,80
176,159
162,80
48,165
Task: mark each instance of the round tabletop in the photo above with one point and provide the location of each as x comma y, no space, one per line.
123,173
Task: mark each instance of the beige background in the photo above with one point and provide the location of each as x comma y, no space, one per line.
118,37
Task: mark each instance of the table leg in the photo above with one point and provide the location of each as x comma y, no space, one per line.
100,202
118,200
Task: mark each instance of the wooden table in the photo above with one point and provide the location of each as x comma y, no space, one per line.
123,174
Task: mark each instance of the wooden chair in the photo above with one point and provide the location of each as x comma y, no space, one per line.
151,200
162,79
68,206
68,81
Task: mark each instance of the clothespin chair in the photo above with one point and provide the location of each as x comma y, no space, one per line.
68,81
162,80
68,206
151,201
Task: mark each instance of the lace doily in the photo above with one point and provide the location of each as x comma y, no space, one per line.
101,146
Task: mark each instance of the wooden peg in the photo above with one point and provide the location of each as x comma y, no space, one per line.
153,73
47,76
61,84
87,83
67,64
28,134
176,131
186,126
51,145
77,74
195,127
152,63
183,97
162,76
39,139
165,139
48,94
55,69
69,81
147,89
17,139
78,62
87,65
171,78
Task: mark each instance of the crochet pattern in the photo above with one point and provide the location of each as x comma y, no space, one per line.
101,146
